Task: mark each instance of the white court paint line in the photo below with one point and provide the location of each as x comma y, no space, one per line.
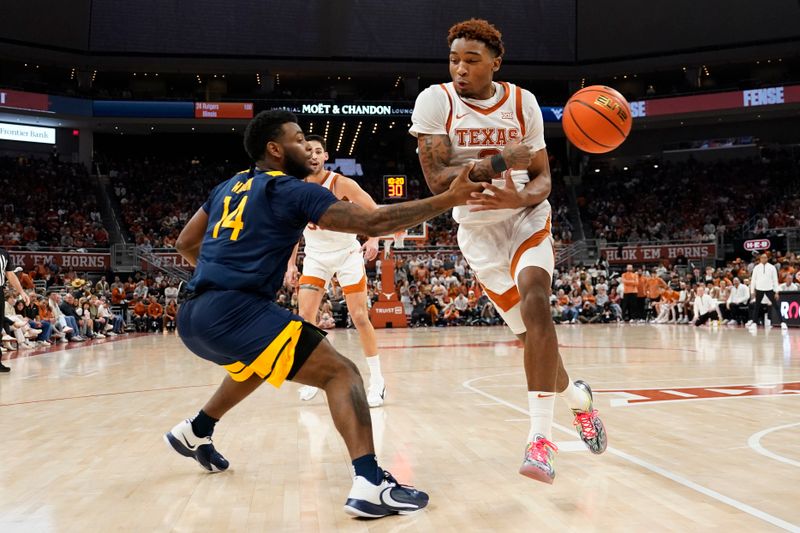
571,446
736,504
679,393
755,443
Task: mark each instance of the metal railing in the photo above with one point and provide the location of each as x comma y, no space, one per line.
154,262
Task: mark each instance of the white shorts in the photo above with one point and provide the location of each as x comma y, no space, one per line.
347,264
498,252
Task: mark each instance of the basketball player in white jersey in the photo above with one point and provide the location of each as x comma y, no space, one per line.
504,233
331,252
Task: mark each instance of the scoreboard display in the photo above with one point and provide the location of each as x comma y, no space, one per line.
395,187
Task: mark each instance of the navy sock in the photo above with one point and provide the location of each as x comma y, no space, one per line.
367,467
203,425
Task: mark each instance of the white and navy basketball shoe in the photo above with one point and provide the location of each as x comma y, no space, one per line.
376,394
307,392
588,424
376,501
183,440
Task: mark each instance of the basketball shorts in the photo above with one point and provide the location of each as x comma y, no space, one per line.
247,334
499,251
348,265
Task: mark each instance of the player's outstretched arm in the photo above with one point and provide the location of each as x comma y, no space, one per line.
353,191
536,191
352,218
435,152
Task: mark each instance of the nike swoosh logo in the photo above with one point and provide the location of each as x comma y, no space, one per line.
461,116
386,498
187,443
540,395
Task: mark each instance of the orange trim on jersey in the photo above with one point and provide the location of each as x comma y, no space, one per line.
531,242
496,106
520,116
450,115
361,286
333,183
325,179
312,280
504,301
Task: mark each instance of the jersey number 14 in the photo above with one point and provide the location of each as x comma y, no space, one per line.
231,219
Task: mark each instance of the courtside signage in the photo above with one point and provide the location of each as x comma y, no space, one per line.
27,134
757,244
767,96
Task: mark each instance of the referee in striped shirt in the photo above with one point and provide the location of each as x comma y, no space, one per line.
7,273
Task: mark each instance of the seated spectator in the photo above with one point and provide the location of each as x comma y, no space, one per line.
31,313
155,314
326,321
64,323
139,315
737,304
704,308
170,315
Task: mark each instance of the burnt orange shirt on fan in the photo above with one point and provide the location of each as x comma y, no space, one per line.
630,282
654,287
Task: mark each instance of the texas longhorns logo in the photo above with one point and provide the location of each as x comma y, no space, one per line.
628,397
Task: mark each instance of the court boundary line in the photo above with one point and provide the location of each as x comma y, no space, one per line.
755,444
99,395
736,504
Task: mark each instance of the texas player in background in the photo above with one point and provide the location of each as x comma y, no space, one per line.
331,252
505,233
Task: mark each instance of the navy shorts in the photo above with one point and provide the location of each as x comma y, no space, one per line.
247,334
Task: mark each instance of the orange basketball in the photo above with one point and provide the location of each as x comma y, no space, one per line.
597,119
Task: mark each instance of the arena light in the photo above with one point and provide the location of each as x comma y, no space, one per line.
655,166
341,136
597,171
624,168
355,138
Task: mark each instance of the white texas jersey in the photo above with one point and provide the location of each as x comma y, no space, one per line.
323,240
479,129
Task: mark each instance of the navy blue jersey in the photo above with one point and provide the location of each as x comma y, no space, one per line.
253,225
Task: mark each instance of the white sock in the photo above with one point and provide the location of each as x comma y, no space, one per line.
540,408
374,364
575,397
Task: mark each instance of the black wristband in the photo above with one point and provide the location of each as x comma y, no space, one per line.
498,163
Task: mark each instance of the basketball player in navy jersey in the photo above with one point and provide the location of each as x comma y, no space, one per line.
504,233
239,242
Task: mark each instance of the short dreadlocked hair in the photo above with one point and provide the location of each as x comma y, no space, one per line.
477,30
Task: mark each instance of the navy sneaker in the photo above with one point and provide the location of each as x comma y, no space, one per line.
389,498
183,440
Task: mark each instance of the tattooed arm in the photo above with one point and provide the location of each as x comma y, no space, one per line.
351,218
435,152
536,191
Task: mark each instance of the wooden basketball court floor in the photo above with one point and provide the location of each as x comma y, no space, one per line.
702,427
